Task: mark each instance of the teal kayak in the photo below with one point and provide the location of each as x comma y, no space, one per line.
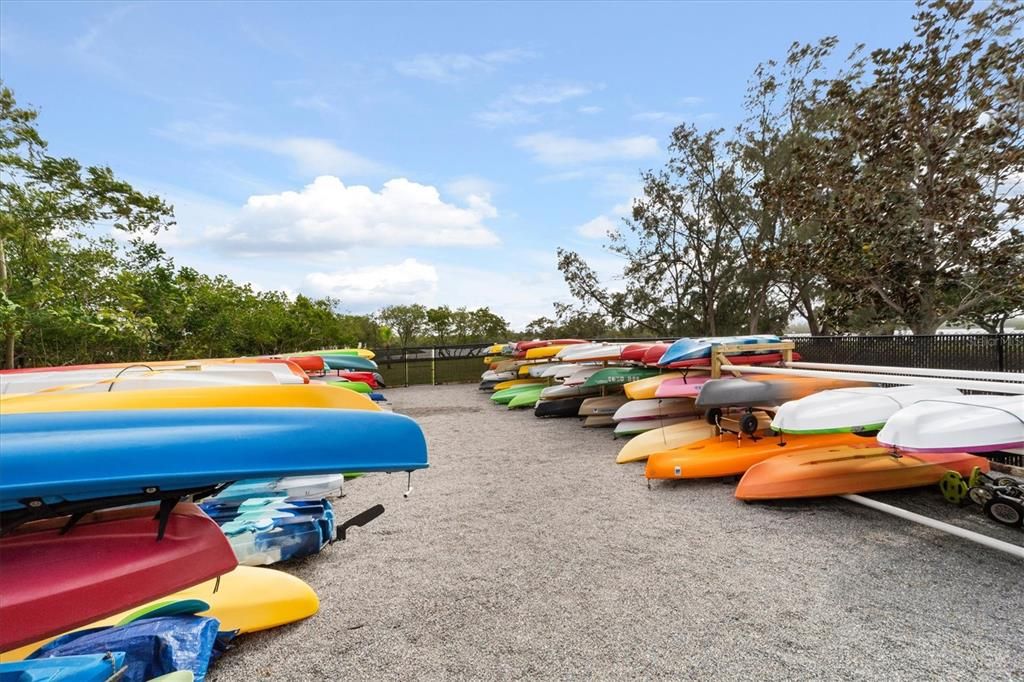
614,376
351,362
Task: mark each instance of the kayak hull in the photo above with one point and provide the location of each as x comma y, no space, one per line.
666,438
645,389
562,407
851,409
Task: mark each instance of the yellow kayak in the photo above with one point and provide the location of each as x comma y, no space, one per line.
644,389
292,395
517,382
495,349
248,599
543,352
640,447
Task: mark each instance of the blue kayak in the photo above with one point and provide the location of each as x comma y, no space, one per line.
349,362
265,530
693,348
72,456
84,668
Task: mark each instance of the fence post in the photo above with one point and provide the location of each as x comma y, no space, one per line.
999,353
405,356
433,366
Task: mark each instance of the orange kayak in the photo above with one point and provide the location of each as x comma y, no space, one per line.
728,456
836,471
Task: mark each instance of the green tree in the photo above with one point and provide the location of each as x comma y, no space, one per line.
405,321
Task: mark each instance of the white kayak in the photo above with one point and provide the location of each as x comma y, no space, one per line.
852,409
491,375
559,370
602,407
975,423
580,376
600,352
31,382
539,371
575,349
655,408
633,427
131,381
561,391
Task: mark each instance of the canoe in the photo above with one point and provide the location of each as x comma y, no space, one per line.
312,396
852,409
598,421
360,387
104,454
562,391
501,386
54,581
82,668
835,471
561,407
602,352
656,409
653,354
604,406
525,399
692,348
505,395
728,456
352,362
678,386
978,423
665,438
619,375
766,390
645,389
635,427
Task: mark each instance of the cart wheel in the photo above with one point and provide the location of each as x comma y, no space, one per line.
980,496
1007,481
953,487
975,478
1006,511
714,415
748,424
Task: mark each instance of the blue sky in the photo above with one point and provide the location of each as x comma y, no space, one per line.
394,153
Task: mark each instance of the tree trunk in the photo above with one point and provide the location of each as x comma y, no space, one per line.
10,337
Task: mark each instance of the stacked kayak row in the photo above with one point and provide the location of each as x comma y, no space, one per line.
784,436
110,568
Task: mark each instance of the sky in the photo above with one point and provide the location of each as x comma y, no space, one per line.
434,153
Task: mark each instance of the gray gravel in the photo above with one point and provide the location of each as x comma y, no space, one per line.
525,551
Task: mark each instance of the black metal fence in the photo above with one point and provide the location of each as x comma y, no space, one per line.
982,352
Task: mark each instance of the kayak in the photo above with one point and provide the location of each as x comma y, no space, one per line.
656,409
634,352
677,386
763,391
645,389
692,348
308,363
360,387
716,457
653,354
371,378
580,376
619,375
599,352
535,371
288,487
561,407
266,530
496,377
665,438
759,358
599,420
605,406
518,382
979,423
563,370
247,599
90,381
54,581
527,398
562,391
82,668
352,362
312,396
822,472
75,456
852,409
504,396
358,352
634,427
542,352
285,370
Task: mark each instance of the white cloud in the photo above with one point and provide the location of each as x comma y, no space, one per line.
327,215
314,102
558,150
497,116
691,101
547,93
658,116
406,282
515,106
311,155
598,228
448,68
590,110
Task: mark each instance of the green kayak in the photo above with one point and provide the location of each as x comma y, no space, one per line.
357,386
526,398
614,376
503,396
350,362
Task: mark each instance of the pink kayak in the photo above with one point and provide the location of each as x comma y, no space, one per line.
682,387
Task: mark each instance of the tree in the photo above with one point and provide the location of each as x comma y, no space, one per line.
405,321
912,180
439,324
48,209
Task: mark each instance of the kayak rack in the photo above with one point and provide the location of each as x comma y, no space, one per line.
992,543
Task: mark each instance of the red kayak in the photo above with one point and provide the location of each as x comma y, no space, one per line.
108,562
654,353
308,363
365,377
634,352
752,359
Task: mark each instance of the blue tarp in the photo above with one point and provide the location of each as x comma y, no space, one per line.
153,646
265,530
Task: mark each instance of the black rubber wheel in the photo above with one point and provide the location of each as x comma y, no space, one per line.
748,424
980,496
1007,481
713,415
1005,511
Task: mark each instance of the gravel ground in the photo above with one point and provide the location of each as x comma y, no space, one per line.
525,551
